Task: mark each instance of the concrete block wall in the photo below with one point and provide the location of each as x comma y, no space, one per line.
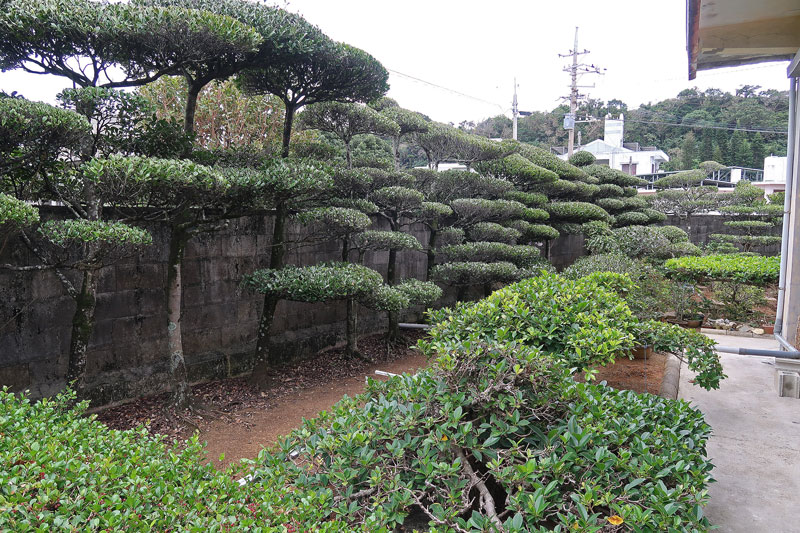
127,352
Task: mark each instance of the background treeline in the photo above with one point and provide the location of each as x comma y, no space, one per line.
679,126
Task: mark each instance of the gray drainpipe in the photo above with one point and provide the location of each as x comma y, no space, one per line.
787,203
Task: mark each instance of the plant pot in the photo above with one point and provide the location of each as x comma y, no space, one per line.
643,351
768,330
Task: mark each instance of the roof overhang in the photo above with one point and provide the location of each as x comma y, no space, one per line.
739,32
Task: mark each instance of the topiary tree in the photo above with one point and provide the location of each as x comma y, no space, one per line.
582,158
190,199
684,195
409,123
752,217
346,120
39,151
326,72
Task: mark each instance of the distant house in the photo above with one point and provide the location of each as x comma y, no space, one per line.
612,151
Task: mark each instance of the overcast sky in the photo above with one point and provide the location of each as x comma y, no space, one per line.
478,47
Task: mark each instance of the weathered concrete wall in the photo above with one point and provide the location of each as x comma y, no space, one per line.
127,354
701,227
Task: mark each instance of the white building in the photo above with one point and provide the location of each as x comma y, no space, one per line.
774,175
627,157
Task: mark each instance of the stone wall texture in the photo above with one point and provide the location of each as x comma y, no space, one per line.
127,354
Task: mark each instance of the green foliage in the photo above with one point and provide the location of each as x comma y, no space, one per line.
695,348
738,301
530,199
473,210
453,184
34,138
684,180
642,241
386,240
751,269
86,476
517,170
16,214
317,283
635,202
65,232
653,216
491,231
419,292
397,198
650,295
581,158
450,235
475,273
545,159
610,204
433,211
336,220
533,232
386,298
631,218
674,234
576,211
347,120
609,190
608,175
777,198
576,321
491,252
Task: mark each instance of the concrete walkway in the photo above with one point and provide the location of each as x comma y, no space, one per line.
755,446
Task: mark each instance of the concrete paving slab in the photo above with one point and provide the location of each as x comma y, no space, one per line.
755,446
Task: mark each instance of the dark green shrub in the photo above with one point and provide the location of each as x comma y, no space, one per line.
493,232
674,234
475,273
631,218
576,211
582,158
491,252
317,283
62,470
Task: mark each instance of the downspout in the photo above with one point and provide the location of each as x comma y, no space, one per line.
787,203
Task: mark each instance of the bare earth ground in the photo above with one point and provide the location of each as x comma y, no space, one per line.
638,375
238,420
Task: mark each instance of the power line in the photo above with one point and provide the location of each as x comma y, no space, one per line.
709,127
453,91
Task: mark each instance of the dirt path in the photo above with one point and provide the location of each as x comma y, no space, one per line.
265,425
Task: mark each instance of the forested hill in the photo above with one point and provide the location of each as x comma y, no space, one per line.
679,126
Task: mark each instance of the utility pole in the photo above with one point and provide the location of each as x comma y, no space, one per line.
575,69
514,111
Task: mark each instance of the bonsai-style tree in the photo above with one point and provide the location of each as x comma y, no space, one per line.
618,195
684,195
190,199
438,143
327,72
38,148
346,120
752,217
281,36
409,123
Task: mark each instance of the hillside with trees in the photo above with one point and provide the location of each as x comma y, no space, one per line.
679,126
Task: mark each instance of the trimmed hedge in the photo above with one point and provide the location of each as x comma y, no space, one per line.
491,252
493,232
65,232
476,273
576,211
317,283
750,269
15,213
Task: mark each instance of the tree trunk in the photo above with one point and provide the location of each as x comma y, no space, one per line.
431,252
82,326
181,394
345,248
264,359
396,152
192,94
287,128
351,332
348,154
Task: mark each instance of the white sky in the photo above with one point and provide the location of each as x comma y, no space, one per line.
478,47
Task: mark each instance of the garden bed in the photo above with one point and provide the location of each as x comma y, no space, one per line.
638,375
235,413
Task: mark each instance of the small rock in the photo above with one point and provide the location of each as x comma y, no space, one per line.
744,328
758,331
